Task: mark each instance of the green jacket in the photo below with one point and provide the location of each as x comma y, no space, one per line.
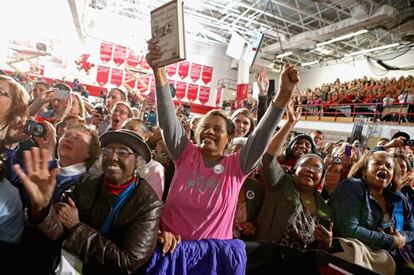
281,202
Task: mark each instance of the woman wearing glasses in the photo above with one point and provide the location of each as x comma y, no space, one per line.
293,215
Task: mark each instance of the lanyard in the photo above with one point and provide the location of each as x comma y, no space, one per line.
120,201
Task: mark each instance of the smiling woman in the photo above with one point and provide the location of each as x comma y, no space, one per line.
368,209
202,199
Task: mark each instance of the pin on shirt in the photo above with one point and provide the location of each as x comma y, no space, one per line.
218,169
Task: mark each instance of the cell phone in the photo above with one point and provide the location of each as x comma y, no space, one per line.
348,150
325,222
61,94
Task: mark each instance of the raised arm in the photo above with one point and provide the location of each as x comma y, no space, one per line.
263,83
257,142
275,147
172,131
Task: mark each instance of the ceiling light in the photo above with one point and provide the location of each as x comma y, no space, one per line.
309,63
284,54
343,37
373,49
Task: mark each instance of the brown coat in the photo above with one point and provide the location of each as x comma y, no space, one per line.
133,234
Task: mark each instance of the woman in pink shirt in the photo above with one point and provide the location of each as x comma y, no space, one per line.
203,195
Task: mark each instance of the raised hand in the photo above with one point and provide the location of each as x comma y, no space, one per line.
153,55
262,81
289,79
294,113
38,182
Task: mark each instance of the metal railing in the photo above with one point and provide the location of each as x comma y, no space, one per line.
397,112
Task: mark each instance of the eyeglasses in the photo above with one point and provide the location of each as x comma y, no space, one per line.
314,169
120,152
6,94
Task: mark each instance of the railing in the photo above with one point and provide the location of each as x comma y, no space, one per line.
397,112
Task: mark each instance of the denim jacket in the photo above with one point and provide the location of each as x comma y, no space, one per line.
358,215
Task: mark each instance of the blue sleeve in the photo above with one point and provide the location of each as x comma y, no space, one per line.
348,204
408,231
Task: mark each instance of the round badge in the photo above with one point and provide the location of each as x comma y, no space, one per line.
250,194
218,169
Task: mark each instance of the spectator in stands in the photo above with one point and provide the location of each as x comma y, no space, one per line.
298,146
370,217
292,212
243,121
14,100
68,122
155,175
39,88
119,114
407,176
110,220
193,126
78,106
114,96
78,149
382,141
203,195
319,139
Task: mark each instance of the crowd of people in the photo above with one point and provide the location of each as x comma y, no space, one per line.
362,97
102,189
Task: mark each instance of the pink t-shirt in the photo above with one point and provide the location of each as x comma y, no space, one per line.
201,203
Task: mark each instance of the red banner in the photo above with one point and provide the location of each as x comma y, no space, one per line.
207,74
183,69
180,90
204,94
130,80
119,55
116,77
102,75
133,58
106,51
192,92
172,69
144,64
242,90
195,72
218,96
144,82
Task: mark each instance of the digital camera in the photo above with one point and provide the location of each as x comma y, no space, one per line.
34,128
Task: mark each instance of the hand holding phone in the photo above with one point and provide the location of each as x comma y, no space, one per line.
348,150
61,94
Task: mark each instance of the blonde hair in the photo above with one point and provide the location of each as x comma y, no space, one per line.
81,105
20,100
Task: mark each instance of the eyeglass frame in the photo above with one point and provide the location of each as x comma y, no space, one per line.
107,153
314,169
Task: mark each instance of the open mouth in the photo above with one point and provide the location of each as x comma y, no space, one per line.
381,175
